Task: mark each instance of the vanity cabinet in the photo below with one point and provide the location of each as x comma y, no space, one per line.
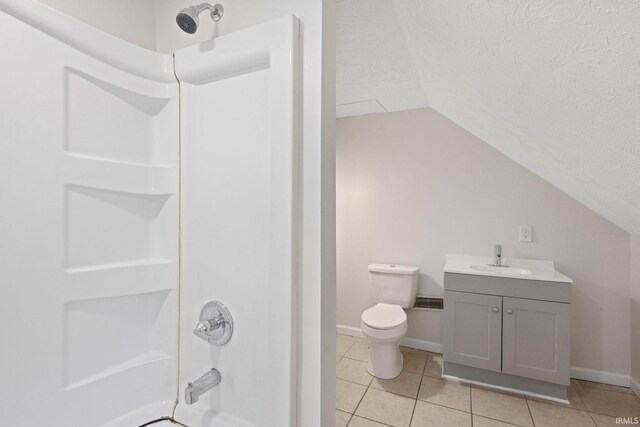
508,332
517,336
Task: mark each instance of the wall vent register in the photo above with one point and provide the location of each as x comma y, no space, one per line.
429,302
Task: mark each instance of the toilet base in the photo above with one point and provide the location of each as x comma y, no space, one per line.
385,360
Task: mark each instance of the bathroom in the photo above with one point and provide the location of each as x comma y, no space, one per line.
202,203
460,128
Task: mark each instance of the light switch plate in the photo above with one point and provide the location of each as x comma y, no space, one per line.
526,233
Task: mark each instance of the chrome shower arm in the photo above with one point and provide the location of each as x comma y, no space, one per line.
216,10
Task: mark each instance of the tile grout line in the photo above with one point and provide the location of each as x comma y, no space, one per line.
382,389
456,409
500,421
370,419
529,409
415,403
471,405
592,419
354,410
353,382
349,420
360,401
413,412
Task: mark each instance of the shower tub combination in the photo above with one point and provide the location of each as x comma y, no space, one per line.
136,188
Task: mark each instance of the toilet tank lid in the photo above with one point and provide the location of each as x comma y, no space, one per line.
393,269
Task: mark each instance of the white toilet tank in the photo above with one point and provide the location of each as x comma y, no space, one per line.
394,284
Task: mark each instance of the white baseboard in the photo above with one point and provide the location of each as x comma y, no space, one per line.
600,376
349,330
434,347
635,385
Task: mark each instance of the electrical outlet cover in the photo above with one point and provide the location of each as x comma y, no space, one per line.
526,233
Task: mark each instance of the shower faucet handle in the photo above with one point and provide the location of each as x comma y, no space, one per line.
209,325
216,324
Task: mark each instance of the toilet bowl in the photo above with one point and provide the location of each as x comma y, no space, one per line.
384,325
394,288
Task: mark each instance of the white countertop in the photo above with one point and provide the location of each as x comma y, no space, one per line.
525,269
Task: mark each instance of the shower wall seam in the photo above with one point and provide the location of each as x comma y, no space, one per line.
177,397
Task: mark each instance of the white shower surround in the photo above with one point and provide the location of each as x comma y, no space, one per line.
143,179
553,85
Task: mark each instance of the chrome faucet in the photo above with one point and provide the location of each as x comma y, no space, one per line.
497,256
200,386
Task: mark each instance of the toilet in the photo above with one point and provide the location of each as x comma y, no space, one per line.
394,289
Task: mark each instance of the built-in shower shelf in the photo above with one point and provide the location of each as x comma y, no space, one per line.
121,176
119,265
145,359
105,335
107,229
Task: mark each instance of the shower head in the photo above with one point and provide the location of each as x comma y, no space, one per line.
187,19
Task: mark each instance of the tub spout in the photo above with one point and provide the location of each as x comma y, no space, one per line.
200,386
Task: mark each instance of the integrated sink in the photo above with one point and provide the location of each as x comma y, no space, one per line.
502,271
518,268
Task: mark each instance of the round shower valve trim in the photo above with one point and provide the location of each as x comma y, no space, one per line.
216,324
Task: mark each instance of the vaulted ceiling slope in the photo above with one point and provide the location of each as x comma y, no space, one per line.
375,67
553,85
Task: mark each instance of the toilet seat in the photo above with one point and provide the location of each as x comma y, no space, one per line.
384,316
384,325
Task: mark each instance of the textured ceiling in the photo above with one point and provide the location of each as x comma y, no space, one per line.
553,85
374,60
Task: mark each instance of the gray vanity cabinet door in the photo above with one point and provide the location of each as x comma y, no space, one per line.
472,329
536,339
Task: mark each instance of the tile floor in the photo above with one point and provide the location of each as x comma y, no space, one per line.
419,397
